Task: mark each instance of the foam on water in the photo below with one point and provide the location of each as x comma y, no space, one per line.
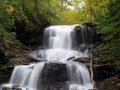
59,43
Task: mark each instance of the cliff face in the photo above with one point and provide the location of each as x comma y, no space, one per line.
31,34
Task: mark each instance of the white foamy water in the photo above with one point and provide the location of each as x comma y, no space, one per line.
59,43
26,76
79,76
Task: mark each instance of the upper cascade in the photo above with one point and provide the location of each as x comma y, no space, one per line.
64,41
59,37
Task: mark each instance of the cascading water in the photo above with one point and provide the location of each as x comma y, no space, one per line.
79,76
86,38
26,76
60,43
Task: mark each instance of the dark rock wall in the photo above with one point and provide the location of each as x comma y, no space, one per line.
31,34
54,77
86,34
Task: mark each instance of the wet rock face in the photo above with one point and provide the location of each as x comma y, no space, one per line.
86,36
56,72
54,76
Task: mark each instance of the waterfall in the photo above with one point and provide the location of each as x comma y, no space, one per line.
86,37
58,37
21,74
26,76
79,76
60,43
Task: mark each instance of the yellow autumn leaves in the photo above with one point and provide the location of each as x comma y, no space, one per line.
9,9
69,17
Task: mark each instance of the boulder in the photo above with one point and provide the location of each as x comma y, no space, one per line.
54,76
56,72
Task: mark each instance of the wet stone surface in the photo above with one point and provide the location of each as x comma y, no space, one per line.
14,88
54,76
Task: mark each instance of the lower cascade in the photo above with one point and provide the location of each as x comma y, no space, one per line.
55,66
79,77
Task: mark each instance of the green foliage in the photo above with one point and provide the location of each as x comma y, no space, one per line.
6,18
10,37
110,29
69,17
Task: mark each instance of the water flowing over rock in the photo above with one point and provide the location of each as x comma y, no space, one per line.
50,76
64,41
55,72
26,76
86,37
79,76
